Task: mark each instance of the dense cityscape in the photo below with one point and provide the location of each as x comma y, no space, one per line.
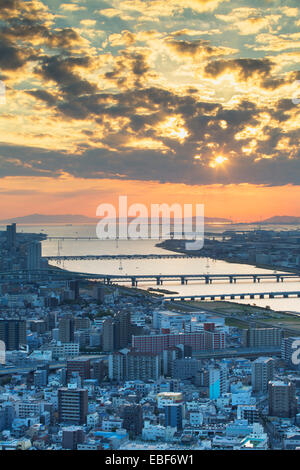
149,231
94,366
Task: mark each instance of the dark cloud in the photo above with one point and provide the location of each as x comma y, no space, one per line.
260,69
267,165
60,70
148,165
131,69
196,48
43,95
211,128
11,57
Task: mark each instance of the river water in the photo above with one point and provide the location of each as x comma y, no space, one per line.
164,266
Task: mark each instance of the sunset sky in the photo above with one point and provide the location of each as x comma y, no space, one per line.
189,101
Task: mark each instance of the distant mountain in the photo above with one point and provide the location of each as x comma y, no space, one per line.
280,220
217,220
45,219
51,219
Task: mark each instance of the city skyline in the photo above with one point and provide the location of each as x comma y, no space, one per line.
192,101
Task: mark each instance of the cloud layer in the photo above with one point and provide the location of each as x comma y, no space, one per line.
151,91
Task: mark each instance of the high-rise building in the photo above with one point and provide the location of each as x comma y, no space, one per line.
132,365
217,378
99,293
40,378
199,341
13,334
133,419
7,415
11,236
109,335
262,372
202,378
261,337
71,437
80,365
185,368
34,255
72,405
50,321
74,287
174,415
143,366
248,412
282,399
66,330
82,323
123,319
117,365
116,332
99,370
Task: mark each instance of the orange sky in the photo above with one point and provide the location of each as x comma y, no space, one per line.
101,99
242,202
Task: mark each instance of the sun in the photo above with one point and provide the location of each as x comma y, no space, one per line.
219,160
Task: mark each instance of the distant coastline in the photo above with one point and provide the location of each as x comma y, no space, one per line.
79,219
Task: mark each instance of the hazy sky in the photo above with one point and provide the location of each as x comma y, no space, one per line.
160,100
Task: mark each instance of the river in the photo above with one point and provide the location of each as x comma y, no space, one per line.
164,266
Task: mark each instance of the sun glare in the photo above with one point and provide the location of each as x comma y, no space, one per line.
219,160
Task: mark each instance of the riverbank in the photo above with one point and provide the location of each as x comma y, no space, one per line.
169,246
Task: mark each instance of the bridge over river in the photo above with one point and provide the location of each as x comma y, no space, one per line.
118,257
134,280
251,295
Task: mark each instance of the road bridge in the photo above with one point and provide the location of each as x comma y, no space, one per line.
134,280
247,295
118,257
238,352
